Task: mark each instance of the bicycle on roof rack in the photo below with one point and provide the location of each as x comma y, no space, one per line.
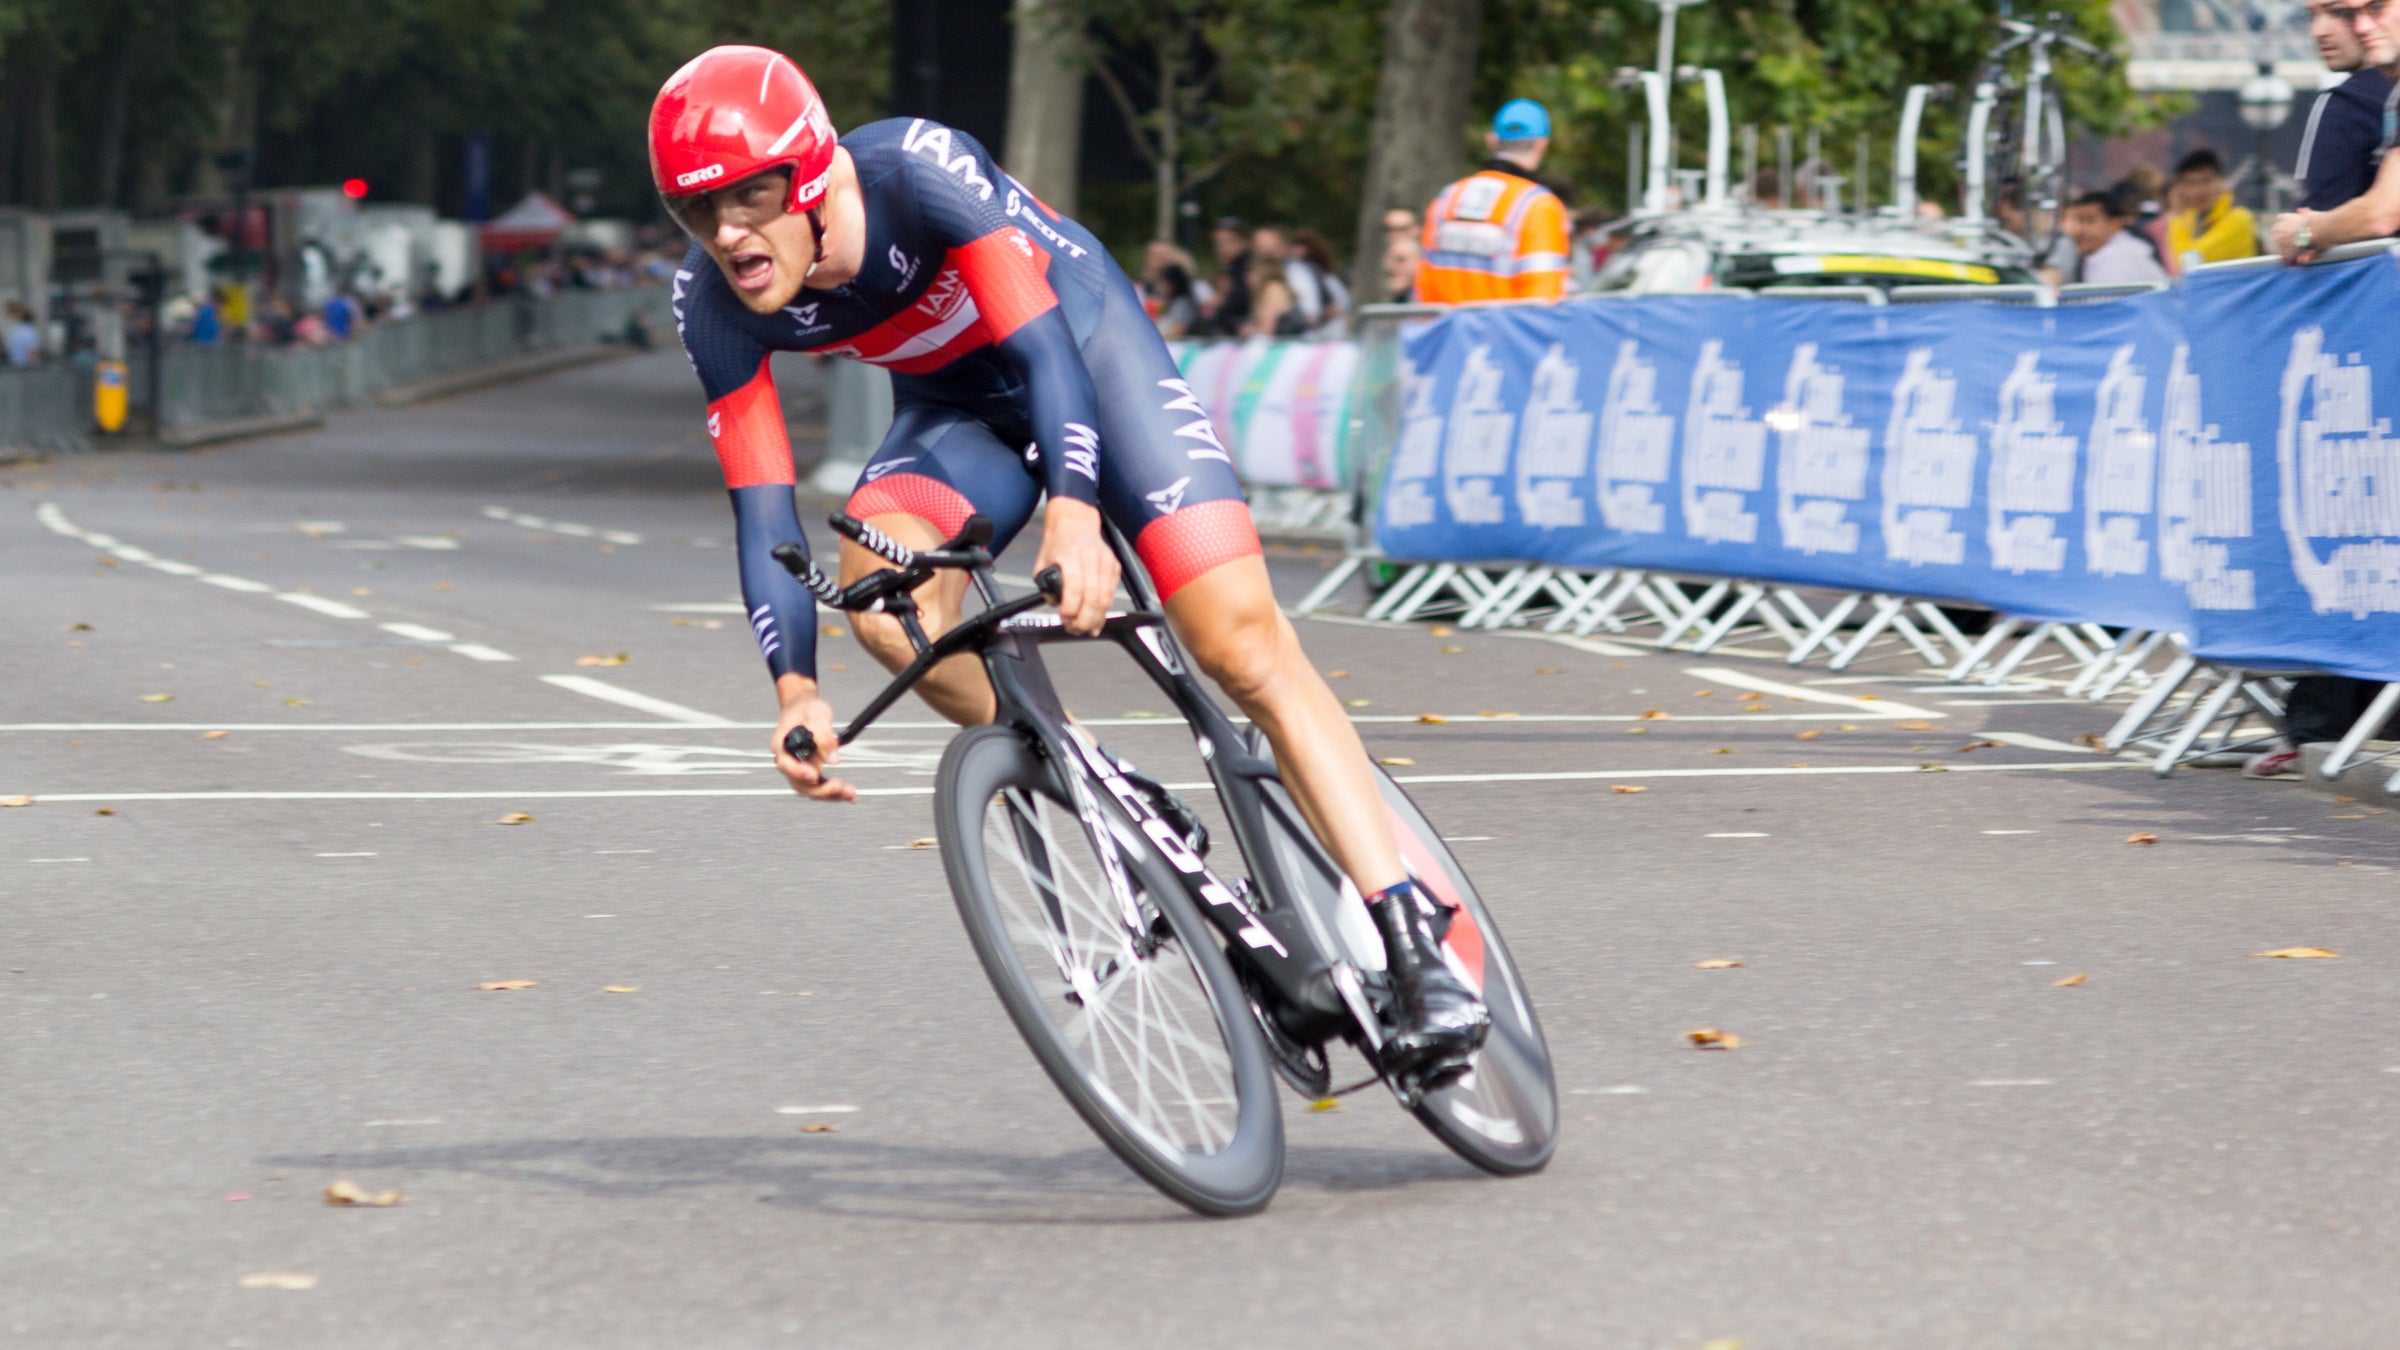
1163,999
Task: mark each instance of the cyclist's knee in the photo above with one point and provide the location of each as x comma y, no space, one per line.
1247,647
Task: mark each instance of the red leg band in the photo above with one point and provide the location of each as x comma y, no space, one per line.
913,494
1195,540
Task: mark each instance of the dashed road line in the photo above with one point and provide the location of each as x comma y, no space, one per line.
565,527
56,521
627,698
1866,707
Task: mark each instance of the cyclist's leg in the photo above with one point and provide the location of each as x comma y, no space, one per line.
1171,489
937,467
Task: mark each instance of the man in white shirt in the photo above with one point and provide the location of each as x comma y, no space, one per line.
2109,253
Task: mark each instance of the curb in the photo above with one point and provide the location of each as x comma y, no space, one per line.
2364,782
513,368
234,429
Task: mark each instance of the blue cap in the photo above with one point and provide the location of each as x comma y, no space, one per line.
1521,119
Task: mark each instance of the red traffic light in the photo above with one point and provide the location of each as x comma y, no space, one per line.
354,187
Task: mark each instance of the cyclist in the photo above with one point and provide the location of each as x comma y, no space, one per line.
1022,363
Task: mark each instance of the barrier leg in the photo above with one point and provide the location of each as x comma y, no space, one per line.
2128,665
1984,647
1603,614
2148,705
2016,657
1504,596
1887,609
2103,660
2210,708
1332,584
1939,625
1914,636
1436,581
1577,592
1695,614
2363,730
1399,590
1824,627
1663,596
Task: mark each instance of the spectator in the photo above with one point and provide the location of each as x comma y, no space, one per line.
2345,124
1315,252
2206,222
1274,242
1497,234
2058,259
2139,194
2338,156
341,317
1593,243
2106,250
208,325
2375,213
1274,312
1766,191
1400,255
1167,290
1232,244
24,341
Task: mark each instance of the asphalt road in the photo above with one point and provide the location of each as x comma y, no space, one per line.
237,968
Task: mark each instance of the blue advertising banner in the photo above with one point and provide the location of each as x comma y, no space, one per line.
2078,463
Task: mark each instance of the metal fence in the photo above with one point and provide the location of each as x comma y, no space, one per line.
50,407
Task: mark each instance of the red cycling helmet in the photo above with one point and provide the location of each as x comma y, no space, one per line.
732,112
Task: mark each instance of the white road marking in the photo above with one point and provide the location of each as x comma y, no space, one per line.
554,794
815,1110
1620,1090
427,541
627,698
2012,831
1582,644
421,1120
476,651
707,607
417,632
2010,1082
1738,834
57,860
242,584
317,528
175,569
347,855
332,609
1870,707
566,527
2026,740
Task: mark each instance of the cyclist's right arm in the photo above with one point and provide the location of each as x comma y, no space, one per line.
745,423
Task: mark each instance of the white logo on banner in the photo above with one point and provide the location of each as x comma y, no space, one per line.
1636,439
1928,467
2118,472
1724,452
2340,474
1480,432
1821,460
1419,457
1554,451
2032,472
2203,495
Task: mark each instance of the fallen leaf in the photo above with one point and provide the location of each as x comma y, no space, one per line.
1932,766
1751,697
1500,716
1626,787
1656,715
158,698
1810,734
1715,963
2092,739
236,1197
79,628
1357,703
360,590
1724,1343
1868,698
1432,719
1547,670
1722,750
819,1128
2345,800
1972,746
1325,1104
108,562
1802,765
105,811
620,989
1637,731
1337,674
2300,953
1848,727
295,703
1709,1038
16,801
490,986
834,630
1916,726
442,586
348,1194
1451,649
2069,982
278,1279
927,842
613,659
213,735
2144,839
1440,630
514,818
1397,759
1704,693
2349,817
1757,707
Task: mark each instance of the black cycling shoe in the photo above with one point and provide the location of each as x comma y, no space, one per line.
1182,819
1439,1023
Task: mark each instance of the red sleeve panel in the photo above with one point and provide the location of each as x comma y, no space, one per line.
747,427
1009,279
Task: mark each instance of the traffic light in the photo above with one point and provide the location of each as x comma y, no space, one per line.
354,188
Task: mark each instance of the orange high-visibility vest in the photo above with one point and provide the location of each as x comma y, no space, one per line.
1493,235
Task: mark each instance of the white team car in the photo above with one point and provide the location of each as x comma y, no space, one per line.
1785,250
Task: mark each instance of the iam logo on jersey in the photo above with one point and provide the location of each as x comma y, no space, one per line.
944,296
2339,468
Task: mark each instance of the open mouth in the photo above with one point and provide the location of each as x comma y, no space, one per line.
752,271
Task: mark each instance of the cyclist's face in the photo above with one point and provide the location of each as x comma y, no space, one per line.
764,251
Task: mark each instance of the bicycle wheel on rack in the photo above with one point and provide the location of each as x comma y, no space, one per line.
1144,1027
1502,1115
